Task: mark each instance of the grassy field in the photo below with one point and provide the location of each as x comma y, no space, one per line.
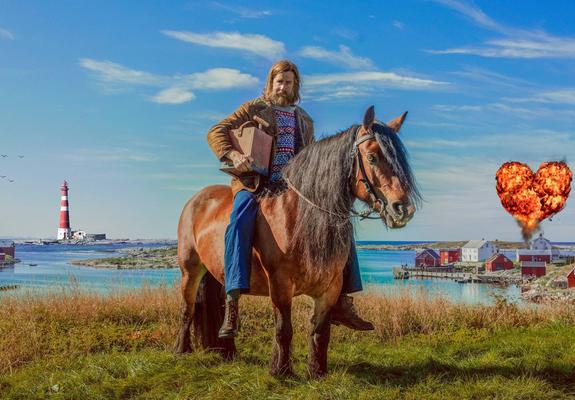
79,345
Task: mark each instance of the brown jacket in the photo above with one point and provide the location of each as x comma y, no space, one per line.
219,140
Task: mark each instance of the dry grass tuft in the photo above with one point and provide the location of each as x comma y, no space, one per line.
74,323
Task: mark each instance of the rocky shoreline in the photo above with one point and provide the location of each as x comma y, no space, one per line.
9,263
439,245
537,291
139,258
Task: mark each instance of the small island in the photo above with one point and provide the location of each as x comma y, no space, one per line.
8,262
139,258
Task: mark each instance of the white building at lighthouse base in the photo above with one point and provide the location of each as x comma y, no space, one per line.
64,233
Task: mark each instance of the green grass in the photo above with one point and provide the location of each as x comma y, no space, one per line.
86,346
527,363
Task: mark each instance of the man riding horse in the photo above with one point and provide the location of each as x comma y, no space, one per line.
291,129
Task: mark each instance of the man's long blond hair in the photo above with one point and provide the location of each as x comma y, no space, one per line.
282,66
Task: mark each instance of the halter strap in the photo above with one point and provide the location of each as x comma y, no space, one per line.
375,199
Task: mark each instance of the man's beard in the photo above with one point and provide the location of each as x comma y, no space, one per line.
282,99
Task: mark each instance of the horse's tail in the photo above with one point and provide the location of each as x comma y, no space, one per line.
203,296
209,316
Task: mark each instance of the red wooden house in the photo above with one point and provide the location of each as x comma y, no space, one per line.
8,247
449,256
498,262
571,278
533,268
427,258
530,255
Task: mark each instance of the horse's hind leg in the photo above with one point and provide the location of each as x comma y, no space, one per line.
192,273
209,316
280,363
320,335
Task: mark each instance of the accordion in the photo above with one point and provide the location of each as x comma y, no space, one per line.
252,141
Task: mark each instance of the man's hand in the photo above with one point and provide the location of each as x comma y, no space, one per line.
241,162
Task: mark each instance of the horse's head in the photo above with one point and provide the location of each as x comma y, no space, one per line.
382,168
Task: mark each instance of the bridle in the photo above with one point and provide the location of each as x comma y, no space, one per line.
369,187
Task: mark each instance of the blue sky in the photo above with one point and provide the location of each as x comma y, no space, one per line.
117,97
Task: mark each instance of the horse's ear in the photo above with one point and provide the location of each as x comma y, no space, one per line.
369,118
396,123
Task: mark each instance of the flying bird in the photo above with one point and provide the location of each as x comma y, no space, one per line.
20,156
4,155
10,180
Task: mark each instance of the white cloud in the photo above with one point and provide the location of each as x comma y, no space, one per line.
389,79
6,34
490,79
108,71
528,143
220,78
398,24
543,47
506,107
173,95
346,33
344,85
175,89
342,57
243,12
515,43
109,155
478,16
450,108
256,44
558,96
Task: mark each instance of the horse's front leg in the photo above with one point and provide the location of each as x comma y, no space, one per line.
280,363
321,330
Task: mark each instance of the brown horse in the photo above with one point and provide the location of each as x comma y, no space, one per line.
302,237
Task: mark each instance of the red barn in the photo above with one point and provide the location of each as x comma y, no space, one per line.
498,262
533,268
571,278
427,258
8,247
530,255
449,256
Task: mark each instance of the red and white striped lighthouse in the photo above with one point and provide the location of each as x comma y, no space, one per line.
64,231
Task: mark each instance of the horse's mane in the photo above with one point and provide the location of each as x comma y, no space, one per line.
321,172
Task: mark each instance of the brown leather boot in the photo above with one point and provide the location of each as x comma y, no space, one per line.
230,326
344,313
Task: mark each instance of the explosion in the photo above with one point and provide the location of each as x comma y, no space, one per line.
531,198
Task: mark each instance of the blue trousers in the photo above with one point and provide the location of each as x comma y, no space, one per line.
239,240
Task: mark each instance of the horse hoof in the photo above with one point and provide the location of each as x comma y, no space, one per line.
227,353
181,348
282,373
316,374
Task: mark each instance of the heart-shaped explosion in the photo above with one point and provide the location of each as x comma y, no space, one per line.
529,197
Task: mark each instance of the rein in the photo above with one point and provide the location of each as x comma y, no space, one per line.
375,199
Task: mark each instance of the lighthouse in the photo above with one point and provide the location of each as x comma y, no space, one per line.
64,231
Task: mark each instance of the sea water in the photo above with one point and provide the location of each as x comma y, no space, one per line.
53,271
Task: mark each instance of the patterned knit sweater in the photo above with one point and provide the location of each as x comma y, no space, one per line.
286,145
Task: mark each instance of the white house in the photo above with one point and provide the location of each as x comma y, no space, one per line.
79,235
477,250
540,243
